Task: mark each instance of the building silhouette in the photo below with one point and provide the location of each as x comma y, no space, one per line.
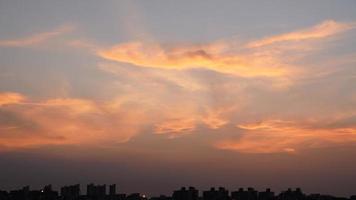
266,195
184,194
98,192
297,194
48,194
241,194
71,192
112,190
212,194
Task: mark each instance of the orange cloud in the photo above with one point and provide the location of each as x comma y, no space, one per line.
65,121
214,57
176,126
274,136
224,56
10,98
178,99
325,29
182,80
76,106
10,143
214,120
36,38
185,125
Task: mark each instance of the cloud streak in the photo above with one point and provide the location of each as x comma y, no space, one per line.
223,56
36,38
64,121
152,79
213,57
325,29
10,98
277,136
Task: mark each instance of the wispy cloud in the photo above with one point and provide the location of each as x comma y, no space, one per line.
276,136
225,56
176,126
188,123
325,29
10,98
62,121
213,56
157,82
33,123
37,38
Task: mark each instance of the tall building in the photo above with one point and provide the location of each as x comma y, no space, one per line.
70,192
220,194
22,194
96,191
48,194
241,194
292,195
184,194
112,190
266,195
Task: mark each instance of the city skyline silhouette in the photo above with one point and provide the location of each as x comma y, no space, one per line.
100,192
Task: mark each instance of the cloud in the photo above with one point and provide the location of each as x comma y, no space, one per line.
176,126
76,106
30,123
36,38
276,136
63,121
152,88
176,98
187,123
226,56
155,77
10,98
72,121
215,56
325,29
213,121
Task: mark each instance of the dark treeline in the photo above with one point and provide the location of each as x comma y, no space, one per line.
99,192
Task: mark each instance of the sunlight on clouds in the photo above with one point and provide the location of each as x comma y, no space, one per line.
183,80
66,121
10,98
72,121
223,56
214,120
279,125
174,116
176,126
149,79
36,38
77,106
187,57
275,136
186,125
28,142
323,30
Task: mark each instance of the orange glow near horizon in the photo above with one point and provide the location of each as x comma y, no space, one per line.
276,136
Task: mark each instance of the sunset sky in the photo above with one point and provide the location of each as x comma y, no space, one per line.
154,94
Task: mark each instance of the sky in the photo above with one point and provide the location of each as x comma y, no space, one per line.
153,95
